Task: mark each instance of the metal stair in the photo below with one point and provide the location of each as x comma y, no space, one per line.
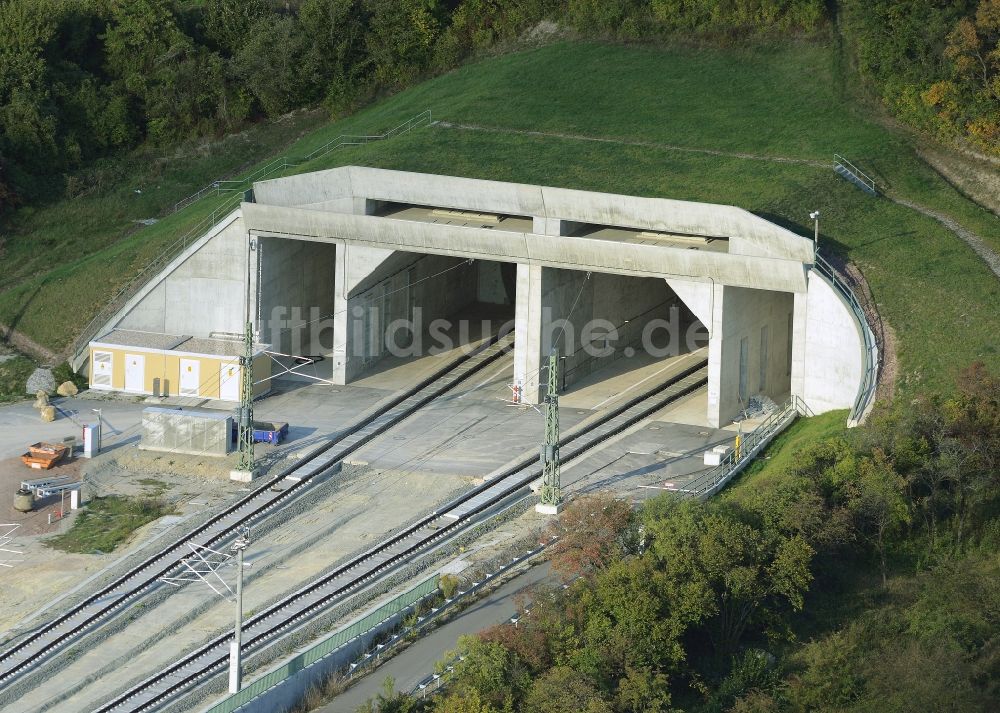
848,171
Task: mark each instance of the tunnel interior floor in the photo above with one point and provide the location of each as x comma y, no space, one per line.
625,378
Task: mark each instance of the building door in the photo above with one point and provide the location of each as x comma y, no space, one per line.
135,373
229,382
100,370
189,377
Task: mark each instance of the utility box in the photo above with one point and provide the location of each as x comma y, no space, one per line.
198,433
91,440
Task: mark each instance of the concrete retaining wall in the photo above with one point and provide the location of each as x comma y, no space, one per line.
833,349
297,282
202,292
396,289
625,303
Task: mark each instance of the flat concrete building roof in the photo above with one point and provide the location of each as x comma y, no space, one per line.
173,342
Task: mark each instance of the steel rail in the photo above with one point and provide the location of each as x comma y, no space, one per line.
499,345
526,468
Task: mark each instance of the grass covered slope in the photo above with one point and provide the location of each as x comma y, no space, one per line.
785,103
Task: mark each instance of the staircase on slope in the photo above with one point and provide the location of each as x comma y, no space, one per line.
848,171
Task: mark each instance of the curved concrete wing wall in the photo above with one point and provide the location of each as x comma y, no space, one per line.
833,349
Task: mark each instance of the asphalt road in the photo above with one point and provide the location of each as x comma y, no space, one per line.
417,661
20,424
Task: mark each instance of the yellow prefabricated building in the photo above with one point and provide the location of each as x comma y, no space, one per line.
173,365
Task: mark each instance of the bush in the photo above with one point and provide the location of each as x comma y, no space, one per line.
14,374
448,585
107,522
64,372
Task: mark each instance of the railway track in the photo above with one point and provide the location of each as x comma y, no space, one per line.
282,617
111,600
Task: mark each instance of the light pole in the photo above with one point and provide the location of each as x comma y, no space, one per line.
235,672
815,216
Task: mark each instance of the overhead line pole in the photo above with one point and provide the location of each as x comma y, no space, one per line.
550,496
235,663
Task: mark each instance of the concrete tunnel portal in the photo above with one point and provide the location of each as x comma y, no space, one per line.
336,264
407,305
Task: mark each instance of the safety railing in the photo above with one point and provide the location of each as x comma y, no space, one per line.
867,181
285,162
235,190
869,381
750,444
326,647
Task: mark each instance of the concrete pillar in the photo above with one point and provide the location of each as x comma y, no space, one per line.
528,333
353,264
528,314
715,338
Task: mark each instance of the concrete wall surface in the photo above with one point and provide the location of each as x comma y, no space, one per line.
697,295
624,304
201,292
626,258
297,284
756,323
384,295
832,349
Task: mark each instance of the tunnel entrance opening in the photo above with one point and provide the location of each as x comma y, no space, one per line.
614,333
403,325
342,313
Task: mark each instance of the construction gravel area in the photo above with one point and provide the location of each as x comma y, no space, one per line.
340,516
47,581
390,483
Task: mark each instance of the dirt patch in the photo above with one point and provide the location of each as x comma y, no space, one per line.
129,471
36,522
885,337
28,585
28,345
977,178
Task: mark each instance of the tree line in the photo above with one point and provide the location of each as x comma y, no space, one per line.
794,593
83,79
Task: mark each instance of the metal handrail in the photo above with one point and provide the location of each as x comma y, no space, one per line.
240,184
222,187
865,178
738,458
869,382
